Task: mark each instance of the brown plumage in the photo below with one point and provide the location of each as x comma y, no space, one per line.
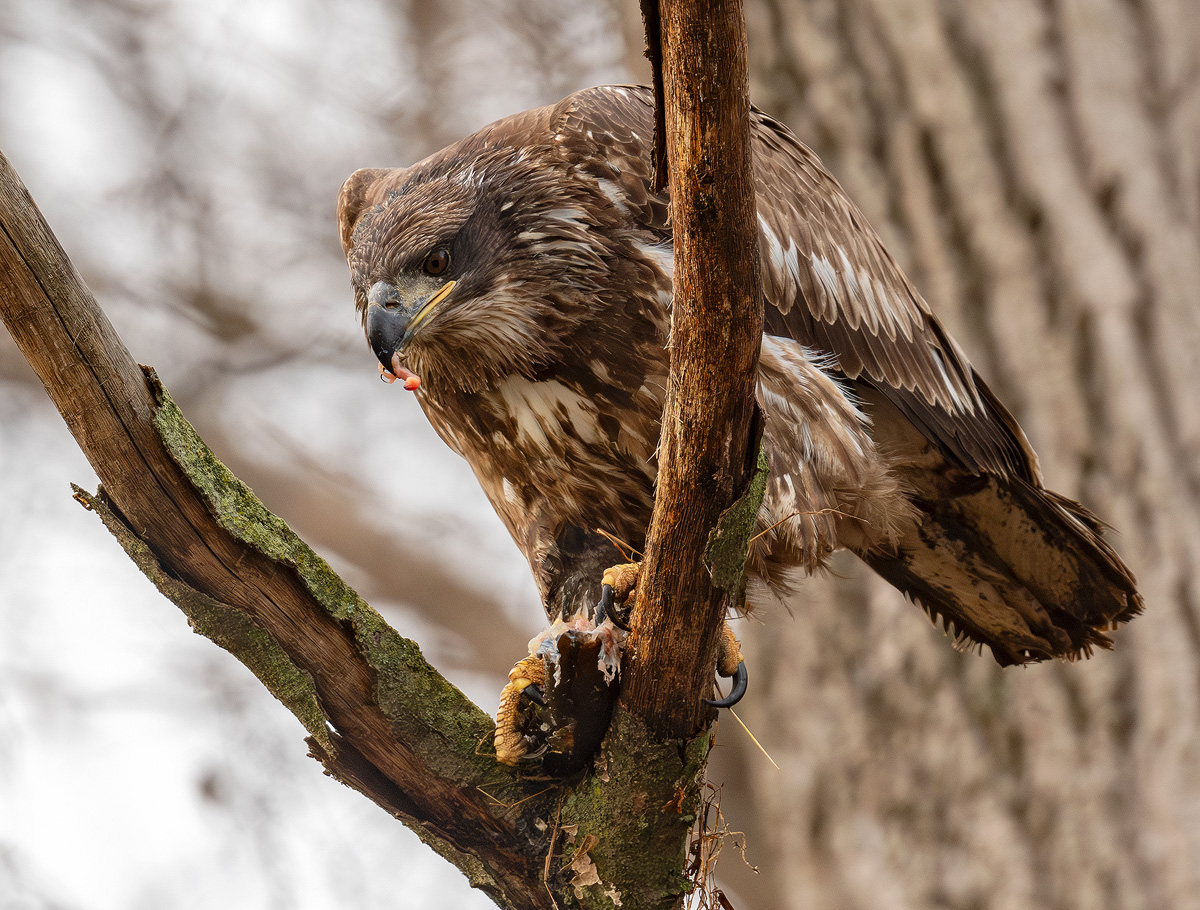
543,362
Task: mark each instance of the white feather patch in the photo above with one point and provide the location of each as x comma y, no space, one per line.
825,274
662,255
613,193
548,407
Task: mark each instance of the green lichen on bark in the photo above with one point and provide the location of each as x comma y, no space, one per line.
425,708
421,702
633,818
239,511
228,627
729,541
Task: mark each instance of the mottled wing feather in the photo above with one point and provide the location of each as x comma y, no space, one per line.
828,281
618,123
835,288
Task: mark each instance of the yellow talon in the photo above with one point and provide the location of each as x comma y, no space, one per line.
510,743
729,654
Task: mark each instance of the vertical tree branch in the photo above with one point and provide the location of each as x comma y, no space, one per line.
709,433
652,23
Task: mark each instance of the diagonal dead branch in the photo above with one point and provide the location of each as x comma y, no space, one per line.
245,580
380,719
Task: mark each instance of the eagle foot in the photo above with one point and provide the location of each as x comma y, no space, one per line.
730,663
559,699
512,717
616,591
618,586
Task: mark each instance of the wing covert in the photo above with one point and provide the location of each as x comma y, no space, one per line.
832,286
828,281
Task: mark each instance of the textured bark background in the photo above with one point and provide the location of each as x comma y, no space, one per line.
1033,164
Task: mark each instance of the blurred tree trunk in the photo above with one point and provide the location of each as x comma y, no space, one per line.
1036,169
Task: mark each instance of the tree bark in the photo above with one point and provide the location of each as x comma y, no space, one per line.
709,440
1033,166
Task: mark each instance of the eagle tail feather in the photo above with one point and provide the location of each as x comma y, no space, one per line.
1007,563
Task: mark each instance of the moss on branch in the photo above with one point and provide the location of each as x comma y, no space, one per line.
632,816
729,541
227,626
419,701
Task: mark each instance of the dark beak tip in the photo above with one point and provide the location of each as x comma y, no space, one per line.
385,331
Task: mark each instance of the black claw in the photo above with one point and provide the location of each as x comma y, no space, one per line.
736,693
606,609
534,693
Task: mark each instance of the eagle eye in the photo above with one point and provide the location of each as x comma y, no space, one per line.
436,262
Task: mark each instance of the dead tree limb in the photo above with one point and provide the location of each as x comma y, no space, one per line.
709,443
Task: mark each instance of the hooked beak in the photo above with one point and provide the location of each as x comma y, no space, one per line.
393,316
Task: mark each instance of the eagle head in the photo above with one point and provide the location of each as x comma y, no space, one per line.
471,266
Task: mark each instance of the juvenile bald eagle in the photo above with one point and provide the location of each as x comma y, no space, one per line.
524,275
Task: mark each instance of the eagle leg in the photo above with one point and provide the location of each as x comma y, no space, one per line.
618,586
